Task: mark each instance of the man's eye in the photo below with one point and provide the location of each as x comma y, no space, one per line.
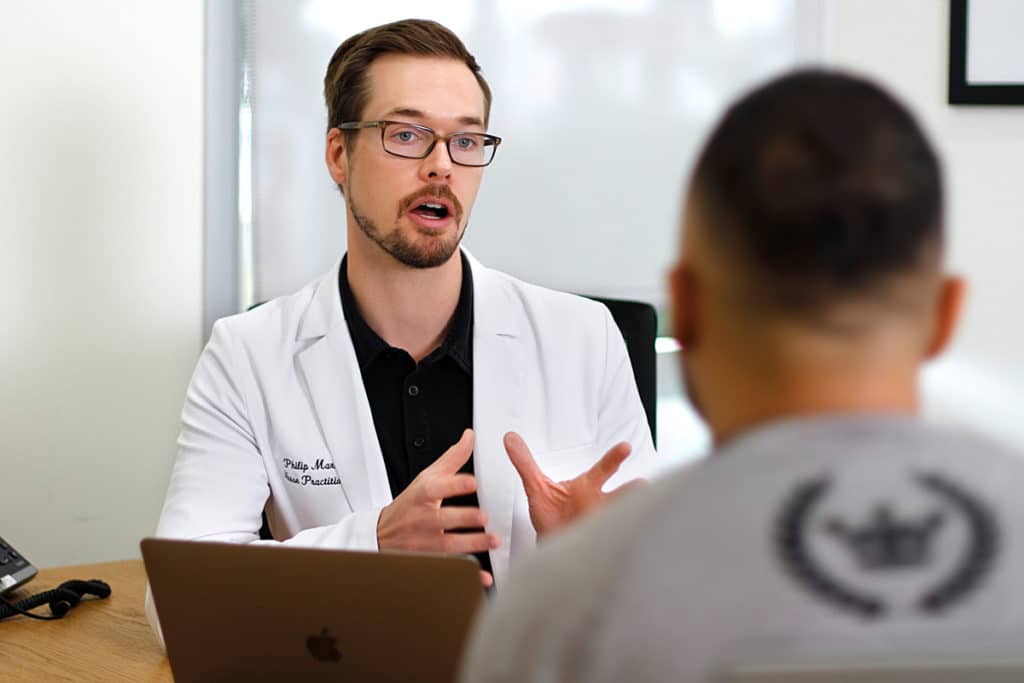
406,135
466,142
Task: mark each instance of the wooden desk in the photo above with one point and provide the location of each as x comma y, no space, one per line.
100,640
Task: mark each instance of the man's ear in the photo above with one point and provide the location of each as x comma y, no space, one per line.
336,156
683,294
947,314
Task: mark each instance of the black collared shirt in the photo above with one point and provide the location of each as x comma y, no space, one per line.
419,409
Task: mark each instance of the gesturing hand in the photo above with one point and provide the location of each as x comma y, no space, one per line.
555,504
415,520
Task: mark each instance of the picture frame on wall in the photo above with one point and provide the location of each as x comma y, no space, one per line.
986,52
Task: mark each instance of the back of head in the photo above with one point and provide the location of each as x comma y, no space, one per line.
811,273
819,188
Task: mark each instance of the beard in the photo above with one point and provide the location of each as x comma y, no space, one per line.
419,251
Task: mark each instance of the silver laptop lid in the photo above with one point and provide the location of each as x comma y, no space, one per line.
262,612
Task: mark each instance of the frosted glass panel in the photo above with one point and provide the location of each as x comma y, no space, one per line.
601,104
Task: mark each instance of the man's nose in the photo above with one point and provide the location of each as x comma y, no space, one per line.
438,164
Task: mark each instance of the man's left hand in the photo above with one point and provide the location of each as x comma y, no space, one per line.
555,504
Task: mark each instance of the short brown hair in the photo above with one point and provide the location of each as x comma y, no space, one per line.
345,85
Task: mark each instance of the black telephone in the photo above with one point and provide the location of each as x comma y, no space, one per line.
15,570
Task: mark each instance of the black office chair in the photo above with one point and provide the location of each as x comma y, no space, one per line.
638,323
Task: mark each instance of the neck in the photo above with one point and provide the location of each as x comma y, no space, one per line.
753,399
409,308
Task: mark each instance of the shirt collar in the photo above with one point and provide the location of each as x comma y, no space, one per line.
458,343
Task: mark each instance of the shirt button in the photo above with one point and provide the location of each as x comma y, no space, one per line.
414,390
418,442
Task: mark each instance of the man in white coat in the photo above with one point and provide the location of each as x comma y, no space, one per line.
831,527
389,404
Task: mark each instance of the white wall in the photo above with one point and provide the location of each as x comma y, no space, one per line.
100,267
584,193
904,44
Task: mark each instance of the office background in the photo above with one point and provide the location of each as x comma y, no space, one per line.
111,267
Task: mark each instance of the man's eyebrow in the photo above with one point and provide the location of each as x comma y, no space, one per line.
417,114
405,111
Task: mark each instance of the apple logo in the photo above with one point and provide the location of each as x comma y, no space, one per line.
323,647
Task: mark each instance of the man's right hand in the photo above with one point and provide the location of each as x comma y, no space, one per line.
416,520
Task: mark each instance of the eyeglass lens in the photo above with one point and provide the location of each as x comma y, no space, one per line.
471,149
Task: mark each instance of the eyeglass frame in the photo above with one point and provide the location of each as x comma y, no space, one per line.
384,123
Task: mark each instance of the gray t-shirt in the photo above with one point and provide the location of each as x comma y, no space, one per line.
816,538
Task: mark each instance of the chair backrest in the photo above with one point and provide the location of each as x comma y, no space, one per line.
638,323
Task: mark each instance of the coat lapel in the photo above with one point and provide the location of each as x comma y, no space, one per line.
498,368
331,371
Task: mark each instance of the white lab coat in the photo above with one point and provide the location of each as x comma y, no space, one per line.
276,415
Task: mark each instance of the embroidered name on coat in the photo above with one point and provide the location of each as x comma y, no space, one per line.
318,473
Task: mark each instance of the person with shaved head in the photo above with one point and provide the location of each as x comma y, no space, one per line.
831,525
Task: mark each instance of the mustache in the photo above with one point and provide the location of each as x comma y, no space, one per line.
436,191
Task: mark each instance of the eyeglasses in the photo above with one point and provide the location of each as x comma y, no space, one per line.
413,141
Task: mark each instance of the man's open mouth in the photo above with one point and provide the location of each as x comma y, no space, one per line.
432,210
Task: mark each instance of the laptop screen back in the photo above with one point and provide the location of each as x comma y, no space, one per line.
259,612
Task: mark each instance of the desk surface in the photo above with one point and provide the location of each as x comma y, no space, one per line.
100,640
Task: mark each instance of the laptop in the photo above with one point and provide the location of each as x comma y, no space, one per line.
257,612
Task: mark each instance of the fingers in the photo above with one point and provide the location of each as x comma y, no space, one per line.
609,463
442,479
469,543
459,517
523,461
439,488
486,579
452,460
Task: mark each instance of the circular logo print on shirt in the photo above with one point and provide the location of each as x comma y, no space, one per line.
882,546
